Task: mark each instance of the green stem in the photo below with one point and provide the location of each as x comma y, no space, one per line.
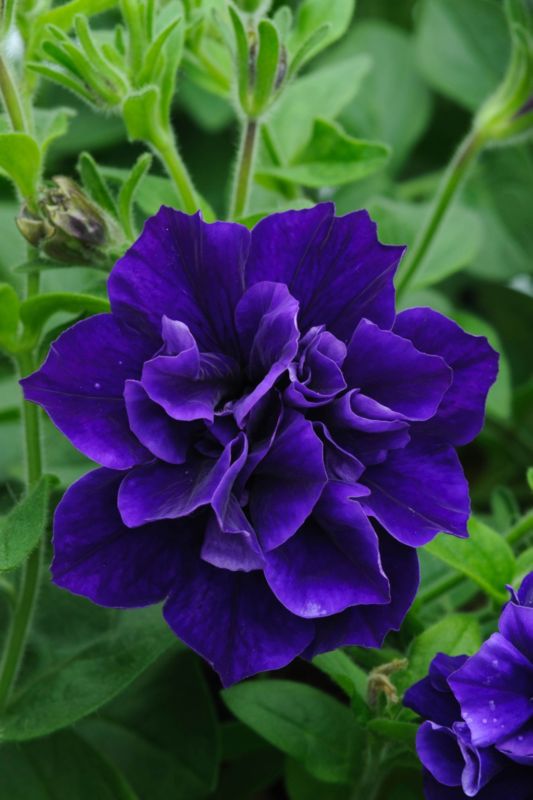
165,147
244,172
22,616
438,588
450,183
521,529
10,96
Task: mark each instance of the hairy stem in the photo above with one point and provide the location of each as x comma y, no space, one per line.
165,147
521,529
244,171
15,642
446,192
11,98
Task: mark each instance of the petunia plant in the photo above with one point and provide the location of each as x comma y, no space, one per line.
268,496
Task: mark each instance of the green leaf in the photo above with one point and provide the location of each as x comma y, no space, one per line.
524,565
301,785
20,158
141,114
321,93
36,311
9,315
51,124
397,111
315,14
24,526
529,477
344,672
463,48
455,245
302,722
499,191
61,766
330,158
87,655
128,191
485,557
94,183
394,730
456,634
250,777
164,725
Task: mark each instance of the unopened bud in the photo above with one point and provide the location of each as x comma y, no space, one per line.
68,227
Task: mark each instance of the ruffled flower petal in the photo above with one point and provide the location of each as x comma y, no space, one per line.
287,482
474,364
418,491
233,620
494,689
97,556
333,561
186,269
334,266
389,369
81,386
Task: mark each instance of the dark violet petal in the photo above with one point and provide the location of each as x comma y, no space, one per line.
481,764
233,620
317,377
81,386
441,668
234,550
335,267
166,438
419,491
389,369
167,491
516,624
188,270
265,318
340,464
177,338
474,364
432,697
519,747
189,385
525,593
367,626
433,790
223,502
287,482
439,752
95,555
494,689
333,561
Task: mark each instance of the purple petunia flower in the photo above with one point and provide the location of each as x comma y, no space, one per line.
477,740
274,441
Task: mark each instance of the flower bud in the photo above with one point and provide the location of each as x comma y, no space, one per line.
69,227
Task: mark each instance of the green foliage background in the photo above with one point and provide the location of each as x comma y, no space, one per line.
107,704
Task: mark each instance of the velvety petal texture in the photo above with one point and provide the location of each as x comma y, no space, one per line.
273,442
477,740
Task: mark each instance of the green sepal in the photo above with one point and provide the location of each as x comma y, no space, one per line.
267,68
128,190
95,184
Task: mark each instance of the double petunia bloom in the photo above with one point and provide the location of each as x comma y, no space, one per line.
274,441
478,737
